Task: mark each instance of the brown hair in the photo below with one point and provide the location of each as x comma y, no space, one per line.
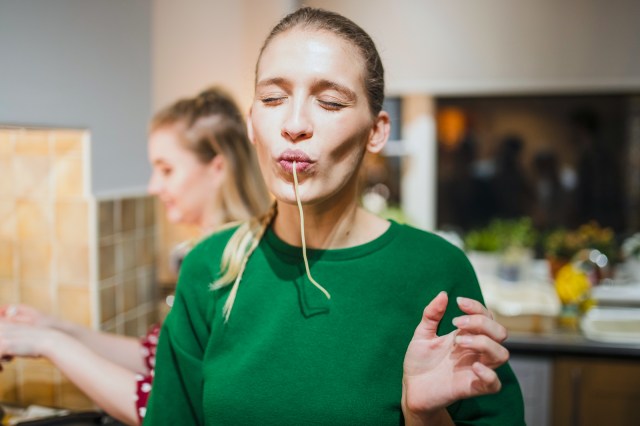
212,124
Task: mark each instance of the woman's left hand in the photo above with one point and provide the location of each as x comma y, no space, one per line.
440,370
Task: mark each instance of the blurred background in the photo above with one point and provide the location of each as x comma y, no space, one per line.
516,135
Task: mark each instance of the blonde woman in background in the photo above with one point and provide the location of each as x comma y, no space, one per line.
206,174
307,314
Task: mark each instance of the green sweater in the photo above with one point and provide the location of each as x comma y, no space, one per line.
289,356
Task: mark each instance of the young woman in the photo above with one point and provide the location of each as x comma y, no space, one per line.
307,315
206,174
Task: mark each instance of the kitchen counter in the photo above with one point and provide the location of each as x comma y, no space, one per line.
561,342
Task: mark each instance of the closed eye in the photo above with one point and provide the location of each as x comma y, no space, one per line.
331,106
272,101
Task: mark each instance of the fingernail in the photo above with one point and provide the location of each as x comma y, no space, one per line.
462,301
463,340
458,321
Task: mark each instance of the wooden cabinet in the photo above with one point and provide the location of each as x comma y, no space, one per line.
595,391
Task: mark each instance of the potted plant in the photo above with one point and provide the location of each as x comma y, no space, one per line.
501,248
562,245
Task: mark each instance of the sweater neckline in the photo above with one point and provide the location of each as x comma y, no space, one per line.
354,252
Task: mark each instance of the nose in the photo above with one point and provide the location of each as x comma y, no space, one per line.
154,185
297,125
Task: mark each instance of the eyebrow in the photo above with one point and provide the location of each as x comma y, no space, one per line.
318,85
328,84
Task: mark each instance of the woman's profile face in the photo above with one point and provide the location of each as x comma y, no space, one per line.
185,185
310,106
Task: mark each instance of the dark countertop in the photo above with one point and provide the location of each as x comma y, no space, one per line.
561,342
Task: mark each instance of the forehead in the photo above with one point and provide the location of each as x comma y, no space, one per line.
312,53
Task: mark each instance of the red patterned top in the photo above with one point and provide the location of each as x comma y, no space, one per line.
143,381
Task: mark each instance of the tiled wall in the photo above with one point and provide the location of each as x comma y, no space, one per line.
126,275
68,254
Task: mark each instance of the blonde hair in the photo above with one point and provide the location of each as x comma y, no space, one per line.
212,124
247,237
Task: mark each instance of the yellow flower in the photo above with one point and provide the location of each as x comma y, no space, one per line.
572,284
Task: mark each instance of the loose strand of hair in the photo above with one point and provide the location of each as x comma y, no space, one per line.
236,255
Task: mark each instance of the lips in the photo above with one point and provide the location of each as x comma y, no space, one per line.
302,160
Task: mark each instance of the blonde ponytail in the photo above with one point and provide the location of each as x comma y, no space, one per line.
236,254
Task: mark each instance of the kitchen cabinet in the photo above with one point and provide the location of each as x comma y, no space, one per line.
595,391
568,380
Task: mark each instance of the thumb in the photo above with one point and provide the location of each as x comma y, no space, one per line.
431,316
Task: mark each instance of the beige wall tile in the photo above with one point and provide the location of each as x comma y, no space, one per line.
70,396
7,142
6,260
72,264
131,328
8,292
68,142
9,383
106,261
147,288
149,211
38,383
74,304
31,176
127,214
128,247
35,262
6,177
33,220
129,292
72,222
107,303
37,296
8,219
32,142
69,177
106,218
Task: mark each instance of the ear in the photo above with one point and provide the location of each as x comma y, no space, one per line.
218,165
379,133
250,126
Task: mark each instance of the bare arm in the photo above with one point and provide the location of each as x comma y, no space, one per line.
109,385
121,350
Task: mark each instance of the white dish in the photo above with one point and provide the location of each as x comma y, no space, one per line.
622,294
612,325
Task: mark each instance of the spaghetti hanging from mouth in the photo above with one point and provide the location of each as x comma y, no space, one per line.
304,244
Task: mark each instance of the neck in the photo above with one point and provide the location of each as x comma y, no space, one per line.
329,225
212,219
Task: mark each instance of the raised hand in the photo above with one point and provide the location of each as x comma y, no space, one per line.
439,370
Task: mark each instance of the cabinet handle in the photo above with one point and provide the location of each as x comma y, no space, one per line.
576,396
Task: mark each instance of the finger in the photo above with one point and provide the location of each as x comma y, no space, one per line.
480,324
471,306
488,378
431,316
491,351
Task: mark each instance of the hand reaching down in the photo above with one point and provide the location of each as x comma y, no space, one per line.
25,314
25,340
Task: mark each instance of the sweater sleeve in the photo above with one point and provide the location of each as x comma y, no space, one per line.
505,408
176,396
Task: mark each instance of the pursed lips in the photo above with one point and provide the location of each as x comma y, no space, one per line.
302,160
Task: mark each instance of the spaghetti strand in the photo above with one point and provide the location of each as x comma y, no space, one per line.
304,244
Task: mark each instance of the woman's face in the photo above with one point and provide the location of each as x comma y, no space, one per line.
184,184
310,106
